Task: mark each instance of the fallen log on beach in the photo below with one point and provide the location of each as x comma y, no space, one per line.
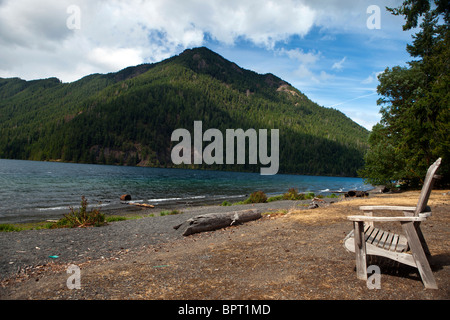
146,205
213,221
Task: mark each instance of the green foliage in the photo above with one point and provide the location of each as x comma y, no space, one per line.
6,227
257,197
275,198
383,164
168,213
310,195
226,203
115,218
293,194
81,218
127,118
415,127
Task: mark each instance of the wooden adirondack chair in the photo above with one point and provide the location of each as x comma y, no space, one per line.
410,248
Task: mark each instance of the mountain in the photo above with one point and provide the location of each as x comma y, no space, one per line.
127,117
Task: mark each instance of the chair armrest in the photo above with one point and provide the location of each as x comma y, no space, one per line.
385,219
392,208
425,214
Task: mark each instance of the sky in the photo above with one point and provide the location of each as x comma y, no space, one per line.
331,50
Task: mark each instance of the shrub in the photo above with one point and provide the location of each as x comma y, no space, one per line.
81,217
226,203
293,194
5,227
257,197
310,195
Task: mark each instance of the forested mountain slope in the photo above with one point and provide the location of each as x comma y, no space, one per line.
128,117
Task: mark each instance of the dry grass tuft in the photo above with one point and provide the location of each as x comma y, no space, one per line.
344,208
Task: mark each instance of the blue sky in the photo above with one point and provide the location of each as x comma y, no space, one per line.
324,48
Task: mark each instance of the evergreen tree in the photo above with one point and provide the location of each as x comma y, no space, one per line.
415,127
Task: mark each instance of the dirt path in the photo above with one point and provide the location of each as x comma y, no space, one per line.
299,255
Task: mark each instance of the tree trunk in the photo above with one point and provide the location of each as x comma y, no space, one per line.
213,221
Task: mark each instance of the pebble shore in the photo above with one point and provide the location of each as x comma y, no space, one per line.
25,249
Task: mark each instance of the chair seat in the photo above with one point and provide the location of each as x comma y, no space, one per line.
383,243
380,238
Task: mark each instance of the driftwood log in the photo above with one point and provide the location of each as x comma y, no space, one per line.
213,221
145,205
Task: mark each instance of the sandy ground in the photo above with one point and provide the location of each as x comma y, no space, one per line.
297,255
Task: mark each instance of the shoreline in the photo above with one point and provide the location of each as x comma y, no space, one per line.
293,256
123,208
128,210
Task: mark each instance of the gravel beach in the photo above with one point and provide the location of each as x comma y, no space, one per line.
28,248
291,254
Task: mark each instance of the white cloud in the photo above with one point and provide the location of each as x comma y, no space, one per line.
339,65
29,24
298,54
370,79
303,72
366,119
350,16
113,58
308,63
324,76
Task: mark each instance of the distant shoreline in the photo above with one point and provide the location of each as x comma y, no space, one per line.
130,211
127,210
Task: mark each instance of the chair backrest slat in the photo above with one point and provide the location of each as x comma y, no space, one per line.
427,186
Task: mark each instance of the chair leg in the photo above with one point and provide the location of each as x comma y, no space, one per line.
422,240
360,250
419,255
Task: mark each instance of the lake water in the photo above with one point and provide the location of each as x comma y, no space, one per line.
33,190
